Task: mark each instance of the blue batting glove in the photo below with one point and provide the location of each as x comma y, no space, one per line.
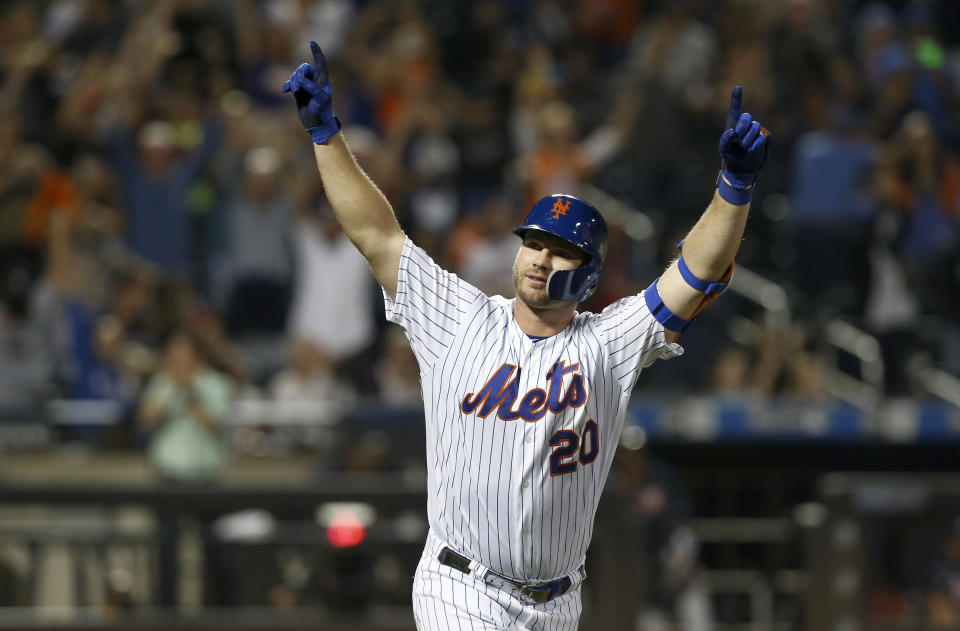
311,90
743,149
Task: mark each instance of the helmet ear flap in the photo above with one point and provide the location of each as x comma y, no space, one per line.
576,284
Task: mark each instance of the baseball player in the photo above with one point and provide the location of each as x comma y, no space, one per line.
524,397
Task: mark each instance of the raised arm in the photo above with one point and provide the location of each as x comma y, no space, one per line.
362,210
705,264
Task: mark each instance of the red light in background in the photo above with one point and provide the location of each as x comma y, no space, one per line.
345,530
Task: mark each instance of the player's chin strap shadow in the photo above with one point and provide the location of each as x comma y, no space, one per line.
576,284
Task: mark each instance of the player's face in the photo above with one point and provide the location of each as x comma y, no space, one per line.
540,254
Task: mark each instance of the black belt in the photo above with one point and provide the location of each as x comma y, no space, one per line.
534,592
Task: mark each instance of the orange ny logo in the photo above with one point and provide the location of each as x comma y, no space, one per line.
560,207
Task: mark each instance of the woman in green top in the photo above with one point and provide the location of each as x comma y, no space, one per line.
181,406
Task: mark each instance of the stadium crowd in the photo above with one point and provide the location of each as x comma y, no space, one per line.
162,222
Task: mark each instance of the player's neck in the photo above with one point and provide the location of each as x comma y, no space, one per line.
542,322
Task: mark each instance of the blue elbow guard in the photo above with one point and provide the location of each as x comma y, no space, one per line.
707,287
659,310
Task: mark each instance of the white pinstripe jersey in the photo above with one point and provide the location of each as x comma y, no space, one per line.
520,434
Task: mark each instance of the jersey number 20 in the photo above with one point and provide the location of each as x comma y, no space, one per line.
566,443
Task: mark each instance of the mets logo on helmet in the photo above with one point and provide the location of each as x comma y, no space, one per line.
560,207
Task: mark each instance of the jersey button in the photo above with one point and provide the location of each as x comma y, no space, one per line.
525,484
528,439
525,530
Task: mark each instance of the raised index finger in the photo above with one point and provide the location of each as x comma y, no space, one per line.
320,63
736,98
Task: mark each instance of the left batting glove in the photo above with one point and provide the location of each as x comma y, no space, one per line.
311,90
743,149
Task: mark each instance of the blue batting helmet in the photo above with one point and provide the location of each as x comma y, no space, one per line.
579,223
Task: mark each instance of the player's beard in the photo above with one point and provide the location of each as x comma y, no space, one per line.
535,298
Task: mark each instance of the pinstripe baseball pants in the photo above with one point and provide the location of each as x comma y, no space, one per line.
445,599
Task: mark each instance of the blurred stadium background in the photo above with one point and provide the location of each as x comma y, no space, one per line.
161,222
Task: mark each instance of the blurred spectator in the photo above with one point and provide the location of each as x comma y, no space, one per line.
259,257
732,372
556,163
332,305
265,38
156,180
535,84
83,253
877,32
433,160
560,159
30,189
936,76
300,407
931,229
193,313
483,144
807,377
309,378
24,368
831,168
83,27
776,362
181,408
607,24
892,307
676,51
485,257
111,351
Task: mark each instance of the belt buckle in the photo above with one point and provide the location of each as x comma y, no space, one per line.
517,589
537,594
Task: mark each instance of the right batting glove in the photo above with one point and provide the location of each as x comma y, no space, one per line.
311,89
743,148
